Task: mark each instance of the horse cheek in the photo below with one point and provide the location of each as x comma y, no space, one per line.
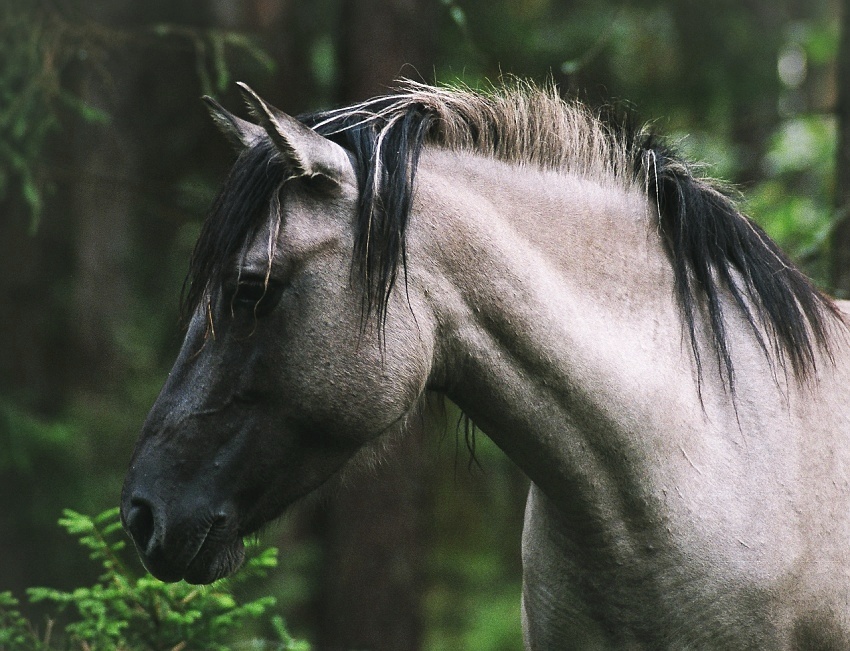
357,390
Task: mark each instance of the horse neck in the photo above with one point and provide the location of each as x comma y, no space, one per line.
554,297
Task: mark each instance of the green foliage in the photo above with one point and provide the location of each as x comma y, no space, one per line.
794,201
210,47
129,609
456,13
491,620
473,600
24,437
38,47
15,631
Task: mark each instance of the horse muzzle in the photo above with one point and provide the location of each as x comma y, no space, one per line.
200,547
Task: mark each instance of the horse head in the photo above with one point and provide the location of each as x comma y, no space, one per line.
281,378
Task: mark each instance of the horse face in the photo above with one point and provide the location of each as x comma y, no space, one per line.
277,385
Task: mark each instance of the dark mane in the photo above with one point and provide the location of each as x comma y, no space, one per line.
233,219
387,162
714,249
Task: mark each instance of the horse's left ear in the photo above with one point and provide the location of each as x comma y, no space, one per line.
239,132
307,153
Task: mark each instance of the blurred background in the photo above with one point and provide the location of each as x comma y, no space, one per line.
108,161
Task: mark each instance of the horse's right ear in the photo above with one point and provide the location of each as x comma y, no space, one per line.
240,133
307,153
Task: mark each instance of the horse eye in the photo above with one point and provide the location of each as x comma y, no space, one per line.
258,295
249,292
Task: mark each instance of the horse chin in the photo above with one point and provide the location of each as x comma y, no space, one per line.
215,562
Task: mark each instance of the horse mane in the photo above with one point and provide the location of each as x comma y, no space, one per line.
713,247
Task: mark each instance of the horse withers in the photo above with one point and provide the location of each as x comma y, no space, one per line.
676,390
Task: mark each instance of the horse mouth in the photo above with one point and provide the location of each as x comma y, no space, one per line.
215,560
218,553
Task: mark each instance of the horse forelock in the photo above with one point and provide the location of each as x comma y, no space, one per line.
238,211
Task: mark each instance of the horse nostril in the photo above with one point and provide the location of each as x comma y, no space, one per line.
140,522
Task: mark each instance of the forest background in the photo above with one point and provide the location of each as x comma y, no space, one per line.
108,161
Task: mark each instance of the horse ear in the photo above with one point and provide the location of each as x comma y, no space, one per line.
239,132
307,152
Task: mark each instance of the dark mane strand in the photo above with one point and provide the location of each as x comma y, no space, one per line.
387,161
715,249
233,218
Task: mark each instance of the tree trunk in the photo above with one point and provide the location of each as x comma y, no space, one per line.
382,40
840,249
373,573
102,205
374,530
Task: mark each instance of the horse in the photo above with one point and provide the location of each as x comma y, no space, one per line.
676,390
